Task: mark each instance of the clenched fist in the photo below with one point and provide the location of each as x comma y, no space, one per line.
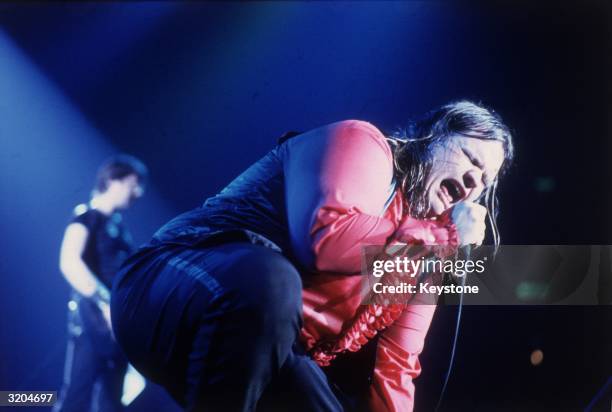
469,219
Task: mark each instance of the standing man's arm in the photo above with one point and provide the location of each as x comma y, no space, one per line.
76,272
73,267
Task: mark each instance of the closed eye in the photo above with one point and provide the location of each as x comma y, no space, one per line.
476,162
473,159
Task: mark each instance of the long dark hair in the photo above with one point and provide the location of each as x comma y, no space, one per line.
412,151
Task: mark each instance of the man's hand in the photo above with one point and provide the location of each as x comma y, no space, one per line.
469,219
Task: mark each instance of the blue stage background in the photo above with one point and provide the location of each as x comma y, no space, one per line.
201,90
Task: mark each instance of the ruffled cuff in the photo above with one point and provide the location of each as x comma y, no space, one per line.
435,232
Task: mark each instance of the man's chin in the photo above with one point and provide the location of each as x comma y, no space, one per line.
435,209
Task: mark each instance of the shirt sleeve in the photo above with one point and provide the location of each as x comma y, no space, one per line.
87,218
338,180
397,360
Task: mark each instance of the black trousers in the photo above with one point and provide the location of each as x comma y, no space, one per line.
217,326
95,365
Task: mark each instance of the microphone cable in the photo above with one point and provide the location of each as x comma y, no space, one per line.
467,252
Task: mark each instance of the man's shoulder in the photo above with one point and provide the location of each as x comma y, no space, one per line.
348,140
352,129
361,133
86,215
355,125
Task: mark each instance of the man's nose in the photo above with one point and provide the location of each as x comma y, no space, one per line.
472,181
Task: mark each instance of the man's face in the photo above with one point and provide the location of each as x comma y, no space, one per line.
462,168
125,190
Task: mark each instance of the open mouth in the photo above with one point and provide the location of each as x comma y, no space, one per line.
453,189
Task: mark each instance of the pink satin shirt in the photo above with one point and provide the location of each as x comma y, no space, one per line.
340,199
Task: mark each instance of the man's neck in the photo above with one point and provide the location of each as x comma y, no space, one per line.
103,204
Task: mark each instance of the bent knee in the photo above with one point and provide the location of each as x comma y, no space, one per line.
270,281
